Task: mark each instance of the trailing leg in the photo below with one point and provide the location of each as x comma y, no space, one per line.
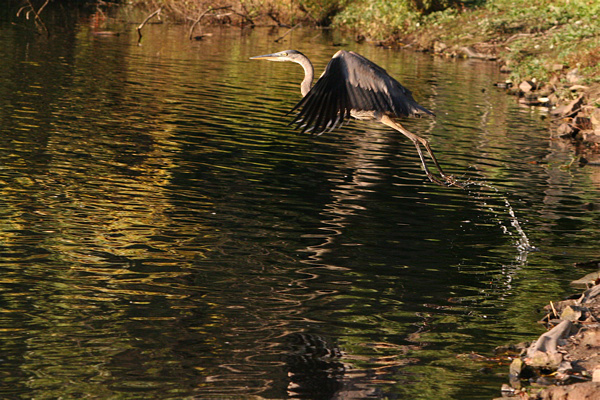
417,140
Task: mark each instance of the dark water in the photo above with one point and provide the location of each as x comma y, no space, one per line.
165,235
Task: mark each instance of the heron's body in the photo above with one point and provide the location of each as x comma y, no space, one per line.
353,86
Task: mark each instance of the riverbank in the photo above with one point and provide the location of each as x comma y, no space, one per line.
550,54
531,38
563,363
549,51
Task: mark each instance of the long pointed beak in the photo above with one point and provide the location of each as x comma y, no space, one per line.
270,57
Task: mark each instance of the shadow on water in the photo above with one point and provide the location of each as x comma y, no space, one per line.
165,234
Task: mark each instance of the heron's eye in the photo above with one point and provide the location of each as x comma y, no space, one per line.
284,54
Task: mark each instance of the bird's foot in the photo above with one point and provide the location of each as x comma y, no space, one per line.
437,180
445,180
452,181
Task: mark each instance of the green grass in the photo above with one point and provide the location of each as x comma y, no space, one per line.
377,19
532,36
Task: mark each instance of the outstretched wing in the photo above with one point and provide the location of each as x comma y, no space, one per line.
351,82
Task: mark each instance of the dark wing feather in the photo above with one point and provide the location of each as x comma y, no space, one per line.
351,82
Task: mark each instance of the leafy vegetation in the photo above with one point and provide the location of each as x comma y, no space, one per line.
533,37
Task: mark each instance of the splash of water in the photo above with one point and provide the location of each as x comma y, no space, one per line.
522,243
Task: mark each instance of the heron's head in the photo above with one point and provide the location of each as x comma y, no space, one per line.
286,55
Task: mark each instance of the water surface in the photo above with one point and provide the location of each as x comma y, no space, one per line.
165,234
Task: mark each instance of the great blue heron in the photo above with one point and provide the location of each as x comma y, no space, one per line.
352,86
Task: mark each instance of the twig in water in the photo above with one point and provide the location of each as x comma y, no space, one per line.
139,28
29,9
197,21
553,309
285,34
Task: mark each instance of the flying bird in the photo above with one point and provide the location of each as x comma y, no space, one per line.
353,86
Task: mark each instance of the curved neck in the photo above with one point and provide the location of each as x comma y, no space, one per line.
309,74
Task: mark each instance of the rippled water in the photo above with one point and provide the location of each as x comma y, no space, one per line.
165,234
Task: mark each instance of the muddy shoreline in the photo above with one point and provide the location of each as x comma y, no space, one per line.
564,362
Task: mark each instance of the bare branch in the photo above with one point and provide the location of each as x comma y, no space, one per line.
197,21
245,15
22,8
139,28
275,17
42,8
285,34
28,9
